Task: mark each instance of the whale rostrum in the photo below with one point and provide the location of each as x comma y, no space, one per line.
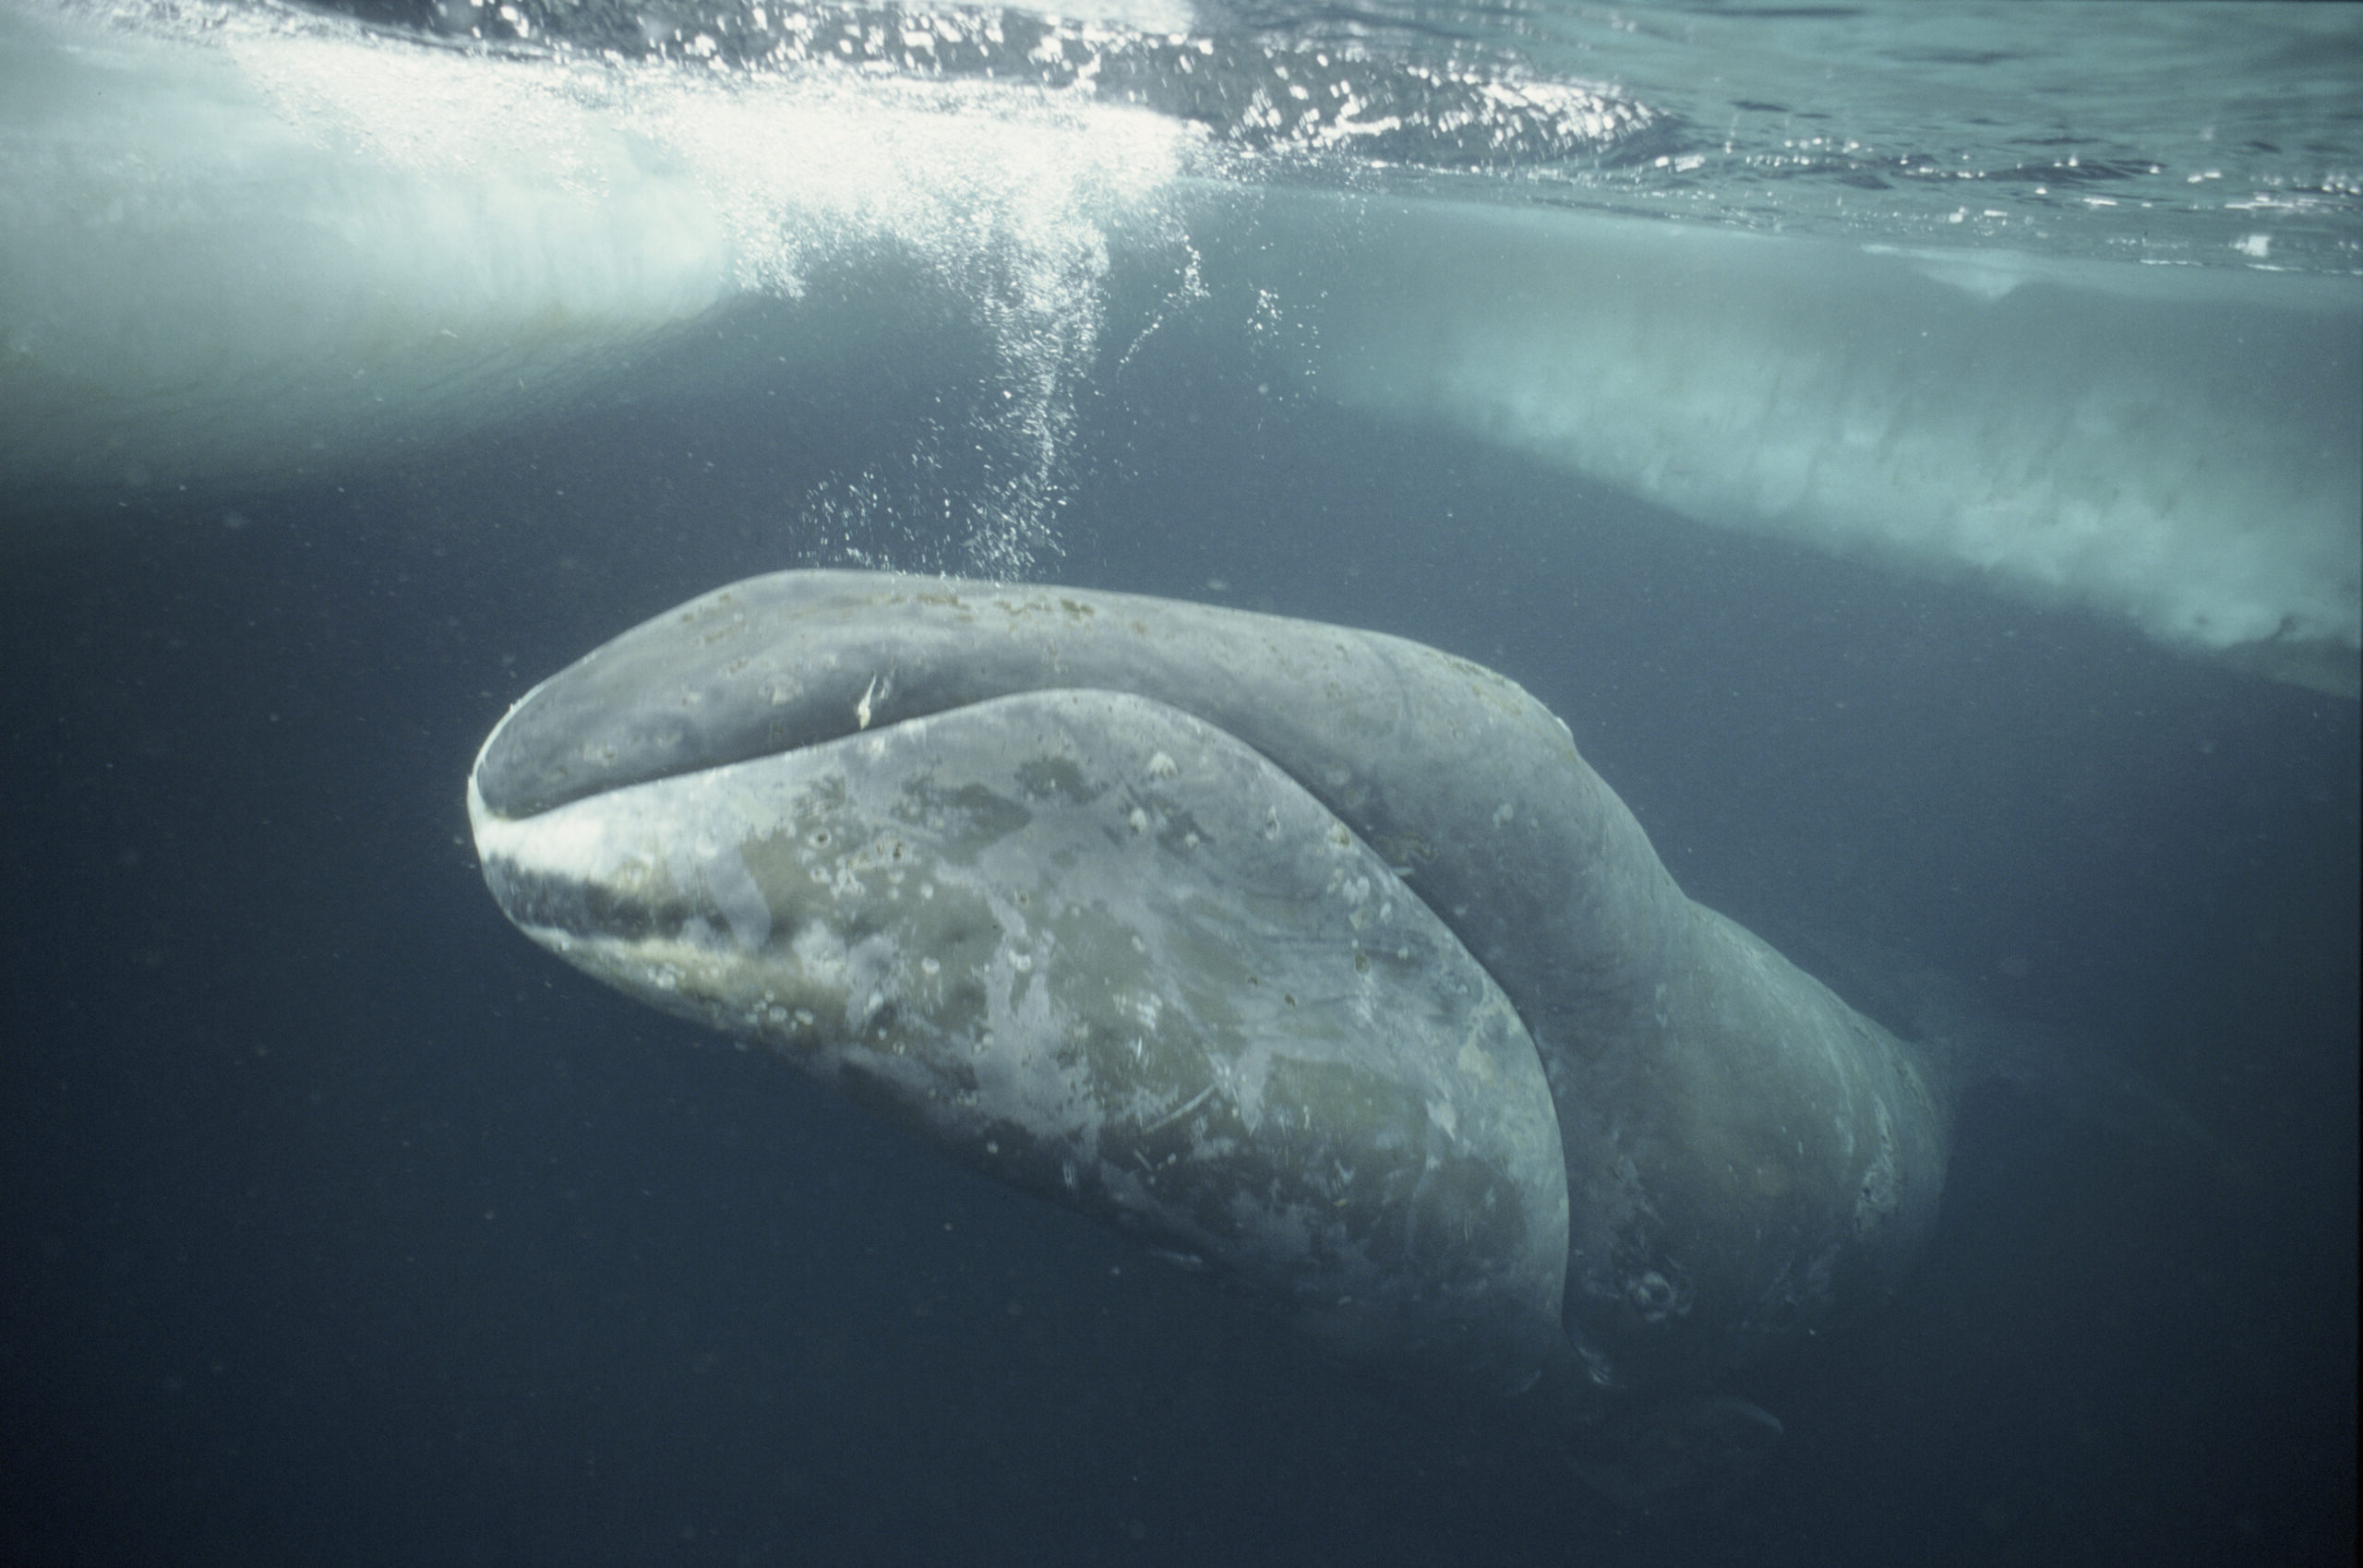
1315,955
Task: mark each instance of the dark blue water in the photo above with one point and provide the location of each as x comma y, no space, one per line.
343,1224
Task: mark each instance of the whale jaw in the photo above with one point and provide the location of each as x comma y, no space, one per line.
1101,950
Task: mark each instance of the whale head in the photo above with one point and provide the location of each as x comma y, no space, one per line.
1077,937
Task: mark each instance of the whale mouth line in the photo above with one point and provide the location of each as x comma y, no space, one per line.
514,847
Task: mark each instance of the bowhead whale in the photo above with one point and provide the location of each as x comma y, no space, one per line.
1316,956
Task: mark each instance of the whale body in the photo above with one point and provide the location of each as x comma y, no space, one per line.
1314,955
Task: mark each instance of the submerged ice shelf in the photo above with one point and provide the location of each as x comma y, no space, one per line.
274,249
2177,448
